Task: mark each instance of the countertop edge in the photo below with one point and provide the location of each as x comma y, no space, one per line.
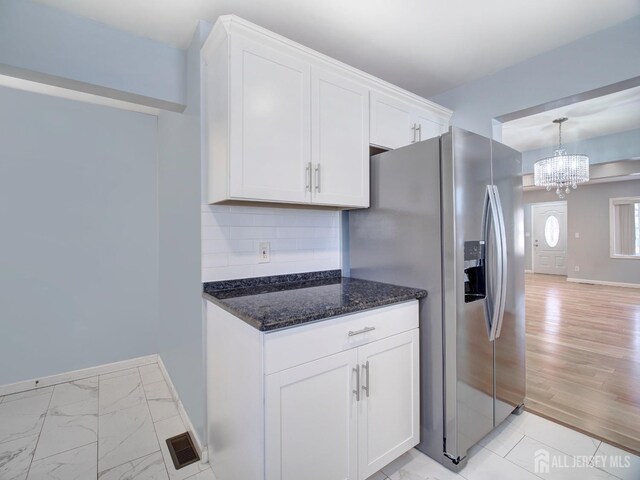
300,321
254,323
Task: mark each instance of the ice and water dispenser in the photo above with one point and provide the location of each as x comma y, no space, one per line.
474,275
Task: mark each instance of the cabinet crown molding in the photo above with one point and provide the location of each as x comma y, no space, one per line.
227,25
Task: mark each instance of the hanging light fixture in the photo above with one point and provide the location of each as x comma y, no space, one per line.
561,171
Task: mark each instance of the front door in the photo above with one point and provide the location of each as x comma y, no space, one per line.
550,238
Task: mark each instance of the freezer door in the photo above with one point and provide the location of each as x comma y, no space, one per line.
468,356
510,335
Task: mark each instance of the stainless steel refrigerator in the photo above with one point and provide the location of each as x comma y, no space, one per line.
446,215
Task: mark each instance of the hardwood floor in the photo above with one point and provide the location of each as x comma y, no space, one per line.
583,357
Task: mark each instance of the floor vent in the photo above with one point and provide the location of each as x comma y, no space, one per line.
182,451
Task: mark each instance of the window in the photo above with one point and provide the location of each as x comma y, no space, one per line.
552,231
624,220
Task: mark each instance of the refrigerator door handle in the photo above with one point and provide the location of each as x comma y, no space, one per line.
488,302
503,276
493,298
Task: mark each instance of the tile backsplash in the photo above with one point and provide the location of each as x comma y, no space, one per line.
300,241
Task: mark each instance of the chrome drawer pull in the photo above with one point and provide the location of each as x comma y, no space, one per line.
364,330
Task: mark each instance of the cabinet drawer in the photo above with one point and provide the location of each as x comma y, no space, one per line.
295,346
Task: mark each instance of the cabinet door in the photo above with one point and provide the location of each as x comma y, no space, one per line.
311,420
340,140
391,122
270,117
389,419
427,126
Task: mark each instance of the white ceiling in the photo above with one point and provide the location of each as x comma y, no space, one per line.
425,46
605,115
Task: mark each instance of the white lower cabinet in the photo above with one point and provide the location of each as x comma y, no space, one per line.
311,421
332,400
388,417
345,416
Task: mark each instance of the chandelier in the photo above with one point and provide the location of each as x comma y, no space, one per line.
561,171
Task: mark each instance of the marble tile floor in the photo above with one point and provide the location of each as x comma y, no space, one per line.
109,427
525,447
114,427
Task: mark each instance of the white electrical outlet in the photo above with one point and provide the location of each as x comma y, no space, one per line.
576,268
264,252
577,234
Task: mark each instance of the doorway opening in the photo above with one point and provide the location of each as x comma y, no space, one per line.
582,282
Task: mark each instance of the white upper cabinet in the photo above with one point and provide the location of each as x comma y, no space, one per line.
426,125
285,124
339,140
396,122
390,122
270,123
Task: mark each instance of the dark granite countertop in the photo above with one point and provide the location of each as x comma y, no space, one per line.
271,303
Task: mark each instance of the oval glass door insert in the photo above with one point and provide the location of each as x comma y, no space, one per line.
552,231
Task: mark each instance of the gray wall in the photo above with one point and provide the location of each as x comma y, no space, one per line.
102,261
594,61
45,42
180,324
78,249
588,214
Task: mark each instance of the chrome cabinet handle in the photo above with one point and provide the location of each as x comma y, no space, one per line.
419,130
357,390
413,133
318,177
359,332
308,177
366,388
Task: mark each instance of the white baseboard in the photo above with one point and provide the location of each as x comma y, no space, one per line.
76,375
183,413
603,282
528,271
